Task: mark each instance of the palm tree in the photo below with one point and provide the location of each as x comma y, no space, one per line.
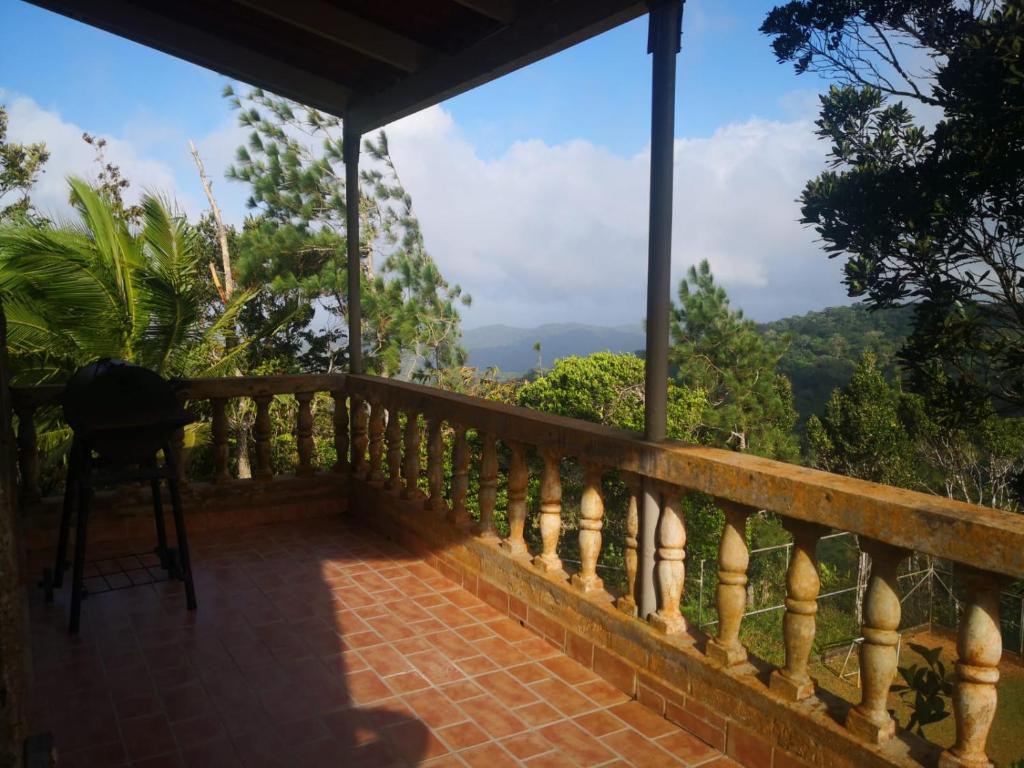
81,290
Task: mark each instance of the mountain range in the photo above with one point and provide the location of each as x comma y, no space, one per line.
511,349
823,347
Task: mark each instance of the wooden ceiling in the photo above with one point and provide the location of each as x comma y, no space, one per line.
367,61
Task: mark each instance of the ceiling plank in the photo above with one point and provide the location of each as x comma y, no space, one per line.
552,27
504,11
347,29
207,50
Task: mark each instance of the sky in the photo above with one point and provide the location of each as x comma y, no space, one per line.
531,191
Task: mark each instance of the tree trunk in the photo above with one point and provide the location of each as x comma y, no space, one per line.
222,232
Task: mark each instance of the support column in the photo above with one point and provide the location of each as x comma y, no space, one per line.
628,602
518,480
731,596
663,41
350,144
393,433
458,514
979,646
870,720
218,406
793,681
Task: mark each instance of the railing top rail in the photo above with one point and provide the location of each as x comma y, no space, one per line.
256,386
203,389
985,538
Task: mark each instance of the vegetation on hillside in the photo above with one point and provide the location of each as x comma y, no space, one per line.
823,349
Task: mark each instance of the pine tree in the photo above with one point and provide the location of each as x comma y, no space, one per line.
717,350
862,432
295,243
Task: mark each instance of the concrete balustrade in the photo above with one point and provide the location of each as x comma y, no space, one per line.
498,440
731,595
375,441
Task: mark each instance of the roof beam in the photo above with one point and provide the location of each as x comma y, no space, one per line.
347,29
207,50
550,28
504,11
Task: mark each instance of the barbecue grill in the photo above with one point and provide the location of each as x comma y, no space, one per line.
122,416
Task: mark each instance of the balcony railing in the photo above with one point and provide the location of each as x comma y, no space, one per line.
379,437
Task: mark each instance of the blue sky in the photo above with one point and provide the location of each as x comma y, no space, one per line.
588,106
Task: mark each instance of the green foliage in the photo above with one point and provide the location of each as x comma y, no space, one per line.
98,288
296,244
932,218
862,433
606,388
717,351
925,689
20,166
825,347
872,430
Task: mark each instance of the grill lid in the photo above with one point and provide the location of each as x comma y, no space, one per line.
115,395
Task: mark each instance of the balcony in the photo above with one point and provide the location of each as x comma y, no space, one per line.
373,614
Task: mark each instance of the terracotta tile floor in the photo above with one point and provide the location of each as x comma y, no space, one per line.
316,644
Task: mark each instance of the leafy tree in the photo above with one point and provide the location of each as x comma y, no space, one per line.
608,388
719,352
872,430
295,242
862,432
20,166
98,288
110,182
932,217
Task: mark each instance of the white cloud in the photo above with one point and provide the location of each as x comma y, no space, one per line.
70,156
556,233
543,233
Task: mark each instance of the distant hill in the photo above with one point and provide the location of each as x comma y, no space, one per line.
511,349
825,346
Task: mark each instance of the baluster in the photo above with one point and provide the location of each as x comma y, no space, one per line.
591,522
670,570
376,442
731,597
411,469
488,485
219,406
627,602
28,453
261,431
802,585
360,440
518,479
304,434
550,514
435,466
340,432
457,513
878,653
979,646
394,456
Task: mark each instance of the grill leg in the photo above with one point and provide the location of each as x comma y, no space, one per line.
161,529
171,464
81,528
70,492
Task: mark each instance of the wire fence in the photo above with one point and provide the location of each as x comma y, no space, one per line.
930,590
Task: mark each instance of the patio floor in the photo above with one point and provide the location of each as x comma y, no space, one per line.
318,644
